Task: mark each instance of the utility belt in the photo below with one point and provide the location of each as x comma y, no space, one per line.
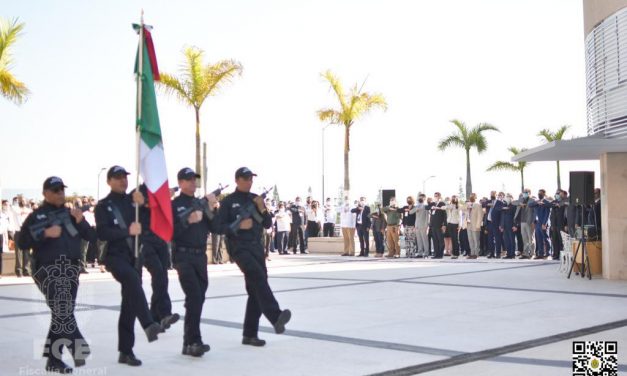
194,251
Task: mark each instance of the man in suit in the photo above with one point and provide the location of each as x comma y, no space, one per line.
363,223
437,224
475,220
542,208
508,226
423,247
494,219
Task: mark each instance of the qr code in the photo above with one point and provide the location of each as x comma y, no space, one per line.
595,358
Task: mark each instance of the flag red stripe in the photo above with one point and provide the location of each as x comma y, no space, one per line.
151,54
161,220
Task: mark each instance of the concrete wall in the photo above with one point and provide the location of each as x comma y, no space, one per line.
614,215
595,11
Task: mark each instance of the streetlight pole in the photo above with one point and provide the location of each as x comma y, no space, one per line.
323,197
98,186
424,191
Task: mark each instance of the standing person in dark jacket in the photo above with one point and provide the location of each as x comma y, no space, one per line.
156,259
558,222
296,232
507,226
246,249
541,208
56,265
189,253
437,224
494,218
363,223
115,224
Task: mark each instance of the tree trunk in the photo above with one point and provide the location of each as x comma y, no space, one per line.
347,186
522,180
468,179
198,165
559,181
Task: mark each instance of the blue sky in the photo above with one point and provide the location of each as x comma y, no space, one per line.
516,64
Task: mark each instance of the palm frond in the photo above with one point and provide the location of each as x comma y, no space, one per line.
547,134
216,76
13,89
559,134
503,166
452,140
336,85
173,86
330,115
463,130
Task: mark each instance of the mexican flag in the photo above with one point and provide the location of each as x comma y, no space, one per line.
151,156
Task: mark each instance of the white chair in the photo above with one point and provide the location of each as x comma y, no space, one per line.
566,257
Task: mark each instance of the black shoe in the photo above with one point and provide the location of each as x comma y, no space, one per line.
305,252
153,331
284,318
196,349
253,341
129,359
167,321
436,257
57,365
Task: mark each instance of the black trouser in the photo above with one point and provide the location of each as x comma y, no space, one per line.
297,232
328,230
313,229
438,241
363,232
452,230
58,282
483,241
1,250
250,259
22,258
378,241
268,244
519,240
464,244
192,269
134,303
556,241
157,261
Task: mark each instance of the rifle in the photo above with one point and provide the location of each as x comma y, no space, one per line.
59,217
248,211
200,204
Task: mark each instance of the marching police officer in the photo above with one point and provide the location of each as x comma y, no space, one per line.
54,233
156,258
115,224
193,221
246,249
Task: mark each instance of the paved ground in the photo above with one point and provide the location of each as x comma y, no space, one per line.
351,316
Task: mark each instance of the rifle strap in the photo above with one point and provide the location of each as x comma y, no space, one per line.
121,223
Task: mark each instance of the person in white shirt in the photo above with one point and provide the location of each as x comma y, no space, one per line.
22,256
328,229
453,219
283,223
347,223
314,219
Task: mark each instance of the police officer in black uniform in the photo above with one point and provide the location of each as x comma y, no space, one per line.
156,258
189,255
54,233
115,224
246,249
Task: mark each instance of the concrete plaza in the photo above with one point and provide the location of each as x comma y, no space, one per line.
351,316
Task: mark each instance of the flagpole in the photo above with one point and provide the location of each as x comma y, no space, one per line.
140,66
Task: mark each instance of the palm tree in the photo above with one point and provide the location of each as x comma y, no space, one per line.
352,106
555,136
10,87
198,81
468,138
509,166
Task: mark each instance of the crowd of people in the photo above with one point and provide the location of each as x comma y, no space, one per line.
500,226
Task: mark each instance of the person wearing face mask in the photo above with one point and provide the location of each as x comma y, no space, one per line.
423,247
525,217
474,221
494,217
298,219
507,226
283,221
409,227
392,231
558,222
347,224
378,230
452,219
542,208
328,228
490,225
363,223
437,225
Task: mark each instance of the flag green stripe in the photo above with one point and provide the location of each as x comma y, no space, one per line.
149,126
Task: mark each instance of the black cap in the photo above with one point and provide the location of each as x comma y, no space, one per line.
244,172
187,174
116,171
53,182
